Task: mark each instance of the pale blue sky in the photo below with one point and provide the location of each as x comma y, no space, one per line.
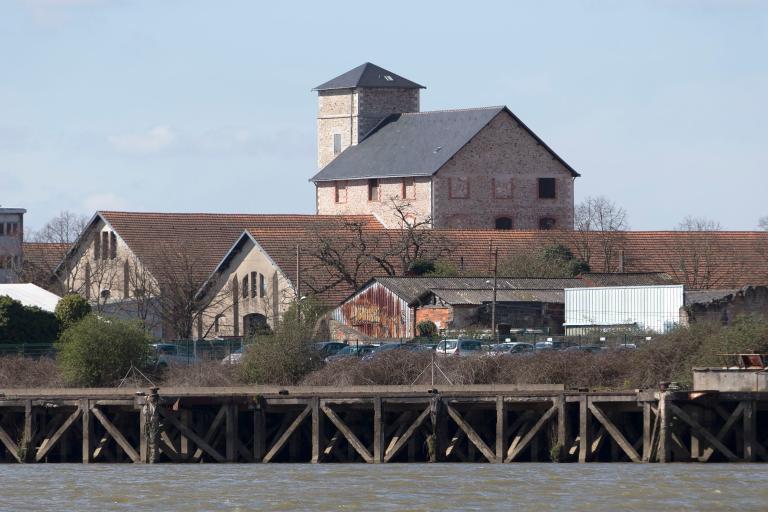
207,106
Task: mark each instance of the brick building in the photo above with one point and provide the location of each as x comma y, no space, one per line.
11,243
479,168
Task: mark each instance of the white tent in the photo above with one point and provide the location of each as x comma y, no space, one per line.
31,295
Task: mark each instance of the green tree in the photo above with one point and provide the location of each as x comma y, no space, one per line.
24,324
71,309
99,351
551,261
427,328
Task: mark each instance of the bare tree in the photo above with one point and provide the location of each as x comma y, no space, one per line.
762,223
171,290
691,223
599,224
51,244
696,261
352,252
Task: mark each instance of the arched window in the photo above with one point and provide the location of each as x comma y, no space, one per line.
255,324
244,287
503,223
546,223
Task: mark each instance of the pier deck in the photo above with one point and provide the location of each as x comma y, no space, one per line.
379,424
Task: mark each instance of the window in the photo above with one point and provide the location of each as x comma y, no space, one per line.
409,188
262,286
244,287
336,143
502,187
341,191
112,246
547,188
9,229
254,284
546,223
97,247
458,188
216,321
373,189
503,223
104,244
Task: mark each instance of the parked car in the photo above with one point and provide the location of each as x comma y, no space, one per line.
584,348
514,347
167,354
351,351
328,348
459,347
388,347
233,358
550,345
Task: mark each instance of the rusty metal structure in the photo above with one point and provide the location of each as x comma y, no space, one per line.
377,312
497,424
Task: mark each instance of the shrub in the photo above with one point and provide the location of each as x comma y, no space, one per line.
427,328
71,309
27,372
99,351
24,324
286,356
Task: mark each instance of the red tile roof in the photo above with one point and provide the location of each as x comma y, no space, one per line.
712,259
203,239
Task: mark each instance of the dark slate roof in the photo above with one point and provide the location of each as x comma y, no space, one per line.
477,297
415,144
628,278
411,144
368,75
705,297
410,289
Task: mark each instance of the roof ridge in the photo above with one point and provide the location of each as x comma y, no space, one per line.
468,109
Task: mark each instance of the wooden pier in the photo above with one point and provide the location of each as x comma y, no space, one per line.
497,424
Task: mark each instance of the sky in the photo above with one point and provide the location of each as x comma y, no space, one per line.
206,106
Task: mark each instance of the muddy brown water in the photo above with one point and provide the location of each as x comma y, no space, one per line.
440,487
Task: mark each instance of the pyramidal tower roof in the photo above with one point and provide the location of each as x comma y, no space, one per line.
368,75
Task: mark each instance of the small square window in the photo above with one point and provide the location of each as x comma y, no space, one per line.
373,189
336,143
547,188
547,223
503,223
458,188
502,187
409,188
340,192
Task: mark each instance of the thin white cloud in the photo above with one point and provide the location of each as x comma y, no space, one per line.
156,140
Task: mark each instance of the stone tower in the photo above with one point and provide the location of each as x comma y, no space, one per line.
351,104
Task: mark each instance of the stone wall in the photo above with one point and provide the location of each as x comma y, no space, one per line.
390,195
354,112
499,170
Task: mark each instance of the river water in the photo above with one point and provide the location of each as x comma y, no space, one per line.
539,487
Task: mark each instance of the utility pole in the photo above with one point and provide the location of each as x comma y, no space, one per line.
493,304
298,283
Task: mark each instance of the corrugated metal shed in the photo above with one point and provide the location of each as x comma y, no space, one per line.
376,312
655,308
410,289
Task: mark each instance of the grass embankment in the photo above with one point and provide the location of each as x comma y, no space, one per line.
666,358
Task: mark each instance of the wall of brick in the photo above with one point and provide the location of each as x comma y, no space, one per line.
502,153
442,316
390,193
